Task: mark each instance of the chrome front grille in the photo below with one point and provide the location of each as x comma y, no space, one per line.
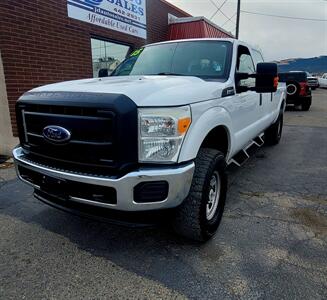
313,81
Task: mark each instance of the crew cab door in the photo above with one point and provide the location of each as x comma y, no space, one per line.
248,110
267,100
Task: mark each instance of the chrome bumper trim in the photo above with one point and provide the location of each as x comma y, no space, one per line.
178,178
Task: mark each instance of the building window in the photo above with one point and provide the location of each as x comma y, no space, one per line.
107,55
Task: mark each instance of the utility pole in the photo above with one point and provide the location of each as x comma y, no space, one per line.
238,18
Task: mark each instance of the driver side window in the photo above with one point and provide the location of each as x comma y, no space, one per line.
245,65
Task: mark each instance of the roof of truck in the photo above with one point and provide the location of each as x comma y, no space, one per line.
233,41
194,40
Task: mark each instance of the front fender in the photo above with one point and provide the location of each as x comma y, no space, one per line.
204,119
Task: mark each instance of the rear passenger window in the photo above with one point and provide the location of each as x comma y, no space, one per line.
257,57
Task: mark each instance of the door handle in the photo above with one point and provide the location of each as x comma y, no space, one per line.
260,99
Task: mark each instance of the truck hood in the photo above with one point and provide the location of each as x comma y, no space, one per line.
145,90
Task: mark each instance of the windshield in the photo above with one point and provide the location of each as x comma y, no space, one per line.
205,59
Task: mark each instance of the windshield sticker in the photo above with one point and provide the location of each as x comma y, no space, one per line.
136,52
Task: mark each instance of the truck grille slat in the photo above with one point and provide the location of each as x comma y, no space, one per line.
78,142
64,110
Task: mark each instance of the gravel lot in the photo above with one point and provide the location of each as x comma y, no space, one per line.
271,244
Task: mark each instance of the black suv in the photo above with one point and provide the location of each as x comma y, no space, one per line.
297,88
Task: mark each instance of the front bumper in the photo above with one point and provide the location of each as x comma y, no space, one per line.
313,84
179,179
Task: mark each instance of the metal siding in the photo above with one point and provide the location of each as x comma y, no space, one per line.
196,29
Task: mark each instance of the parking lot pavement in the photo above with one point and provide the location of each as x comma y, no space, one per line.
271,244
316,117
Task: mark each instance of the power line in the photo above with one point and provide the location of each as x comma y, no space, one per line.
283,17
229,19
230,28
225,15
218,8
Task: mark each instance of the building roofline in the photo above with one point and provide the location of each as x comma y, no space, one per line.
176,8
196,19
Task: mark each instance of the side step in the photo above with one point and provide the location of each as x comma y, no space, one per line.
242,156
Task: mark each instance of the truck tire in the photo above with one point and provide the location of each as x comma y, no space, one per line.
199,216
274,133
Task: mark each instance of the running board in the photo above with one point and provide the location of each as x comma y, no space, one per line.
242,156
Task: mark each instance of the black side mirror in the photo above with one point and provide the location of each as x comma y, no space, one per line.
266,78
103,73
240,76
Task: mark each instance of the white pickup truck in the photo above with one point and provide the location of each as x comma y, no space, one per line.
154,136
323,81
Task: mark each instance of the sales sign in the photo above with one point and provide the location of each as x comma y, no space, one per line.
127,16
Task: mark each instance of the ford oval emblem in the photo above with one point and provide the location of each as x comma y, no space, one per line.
56,134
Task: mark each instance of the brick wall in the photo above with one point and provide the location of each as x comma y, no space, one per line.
41,45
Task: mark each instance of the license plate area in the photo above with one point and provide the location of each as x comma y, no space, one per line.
67,189
54,186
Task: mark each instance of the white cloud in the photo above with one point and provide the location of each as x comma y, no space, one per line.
278,38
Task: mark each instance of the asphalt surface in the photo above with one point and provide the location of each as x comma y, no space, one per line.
271,244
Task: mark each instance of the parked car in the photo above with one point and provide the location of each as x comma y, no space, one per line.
323,81
313,82
156,135
297,89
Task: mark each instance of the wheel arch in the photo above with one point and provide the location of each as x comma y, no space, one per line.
218,138
282,105
211,130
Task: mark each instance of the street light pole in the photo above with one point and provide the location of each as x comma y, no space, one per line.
238,18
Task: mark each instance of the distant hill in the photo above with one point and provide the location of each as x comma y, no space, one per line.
315,65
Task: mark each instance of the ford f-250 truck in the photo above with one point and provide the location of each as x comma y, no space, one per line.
155,135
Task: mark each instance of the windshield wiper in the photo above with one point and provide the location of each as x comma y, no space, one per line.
169,73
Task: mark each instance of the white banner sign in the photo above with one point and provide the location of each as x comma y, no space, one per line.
127,16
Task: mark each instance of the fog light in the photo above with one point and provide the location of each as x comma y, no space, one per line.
153,191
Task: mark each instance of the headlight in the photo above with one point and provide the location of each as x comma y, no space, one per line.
161,133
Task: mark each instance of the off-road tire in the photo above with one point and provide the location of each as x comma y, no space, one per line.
274,133
190,218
